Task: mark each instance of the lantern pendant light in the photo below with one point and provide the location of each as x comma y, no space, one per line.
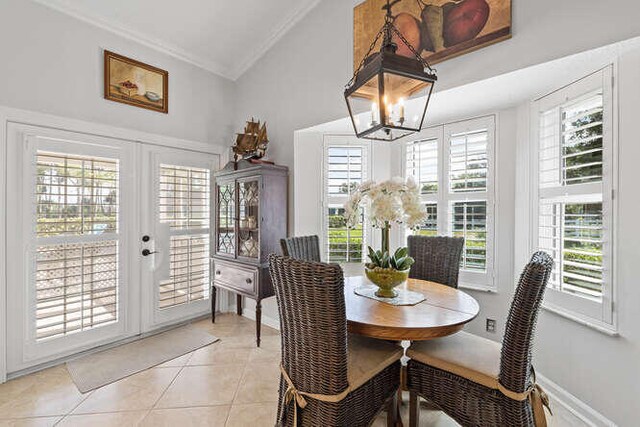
388,94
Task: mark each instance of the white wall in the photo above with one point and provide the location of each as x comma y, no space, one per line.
52,63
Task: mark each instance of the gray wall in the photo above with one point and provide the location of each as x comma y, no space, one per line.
52,63
298,84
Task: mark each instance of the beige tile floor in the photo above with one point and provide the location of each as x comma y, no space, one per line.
230,383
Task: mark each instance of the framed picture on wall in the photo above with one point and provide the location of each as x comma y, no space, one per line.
437,29
135,83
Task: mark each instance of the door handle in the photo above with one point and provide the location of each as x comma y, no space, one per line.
147,252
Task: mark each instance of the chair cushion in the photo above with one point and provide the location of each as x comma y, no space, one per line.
470,356
367,357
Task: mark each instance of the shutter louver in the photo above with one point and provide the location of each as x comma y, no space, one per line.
469,220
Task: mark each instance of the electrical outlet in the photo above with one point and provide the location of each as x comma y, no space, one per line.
491,325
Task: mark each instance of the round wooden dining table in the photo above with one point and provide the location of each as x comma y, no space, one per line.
445,311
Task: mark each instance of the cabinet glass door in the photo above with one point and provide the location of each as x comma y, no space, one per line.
248,217
226,233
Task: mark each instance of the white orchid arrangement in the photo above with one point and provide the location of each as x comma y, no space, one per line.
396,200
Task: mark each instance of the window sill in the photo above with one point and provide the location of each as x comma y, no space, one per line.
478,288
596,325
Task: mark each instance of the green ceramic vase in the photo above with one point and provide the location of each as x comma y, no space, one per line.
386,279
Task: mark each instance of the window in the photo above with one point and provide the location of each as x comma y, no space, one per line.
345,169
452,166
76,223
572,215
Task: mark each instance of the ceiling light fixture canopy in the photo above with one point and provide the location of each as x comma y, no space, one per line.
388,94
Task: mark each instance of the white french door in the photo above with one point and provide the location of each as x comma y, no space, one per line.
177,234
70,278
81,272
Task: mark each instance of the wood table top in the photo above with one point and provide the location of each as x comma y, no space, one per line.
445,312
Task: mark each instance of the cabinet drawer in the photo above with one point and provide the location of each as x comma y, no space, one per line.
244,279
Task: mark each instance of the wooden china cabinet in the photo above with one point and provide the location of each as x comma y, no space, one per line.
251,206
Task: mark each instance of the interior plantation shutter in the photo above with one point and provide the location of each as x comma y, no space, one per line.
76,260
452,166
468,191
421,163
184,206
570,206
345,170
574,207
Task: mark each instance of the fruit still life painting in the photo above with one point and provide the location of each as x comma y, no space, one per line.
437,29
135,83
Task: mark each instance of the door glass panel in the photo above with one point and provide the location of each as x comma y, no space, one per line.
226,219
185,206
184,197
76,266
248,223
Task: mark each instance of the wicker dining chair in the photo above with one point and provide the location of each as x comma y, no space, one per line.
306,248
477,381
437,258
346,380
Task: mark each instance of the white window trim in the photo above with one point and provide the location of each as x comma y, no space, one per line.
467,279
599,316
331,141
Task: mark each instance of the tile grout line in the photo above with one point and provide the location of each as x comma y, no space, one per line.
235,393
153,406
75,407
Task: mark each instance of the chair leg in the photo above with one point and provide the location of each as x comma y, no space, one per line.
392,411
414,409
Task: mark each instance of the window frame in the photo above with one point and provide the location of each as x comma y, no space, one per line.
444,198
338,141
599,314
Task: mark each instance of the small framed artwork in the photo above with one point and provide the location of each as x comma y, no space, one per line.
135,83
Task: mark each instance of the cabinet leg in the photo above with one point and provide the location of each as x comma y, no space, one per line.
258,320
239,305
214,291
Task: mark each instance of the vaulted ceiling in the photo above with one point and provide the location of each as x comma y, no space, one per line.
225,37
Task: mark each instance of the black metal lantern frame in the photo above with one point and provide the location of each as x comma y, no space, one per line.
387,81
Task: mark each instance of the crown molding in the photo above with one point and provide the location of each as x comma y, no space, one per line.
182,54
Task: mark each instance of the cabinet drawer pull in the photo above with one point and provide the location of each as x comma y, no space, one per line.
248,281
218,272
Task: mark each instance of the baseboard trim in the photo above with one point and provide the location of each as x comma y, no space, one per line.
266,320
573,407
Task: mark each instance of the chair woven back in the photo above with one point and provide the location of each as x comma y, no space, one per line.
517,343
306,248
313,323
437,258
